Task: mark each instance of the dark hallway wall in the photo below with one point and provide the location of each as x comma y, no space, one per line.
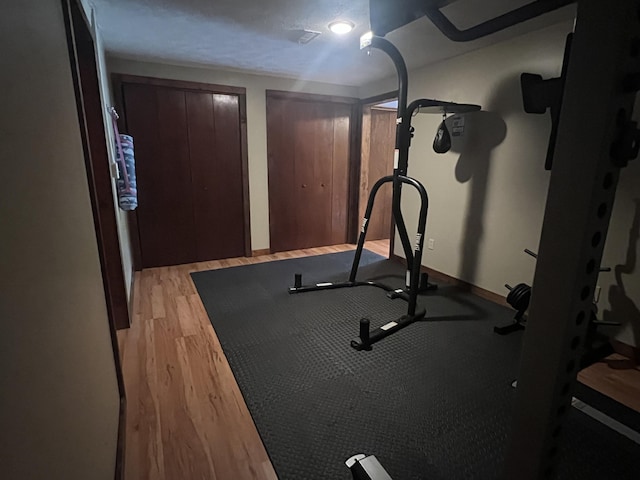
59,401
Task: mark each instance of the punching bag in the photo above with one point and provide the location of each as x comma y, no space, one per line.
442,142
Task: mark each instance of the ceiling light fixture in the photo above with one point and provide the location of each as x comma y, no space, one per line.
341,27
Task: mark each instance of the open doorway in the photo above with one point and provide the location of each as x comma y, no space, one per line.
378,143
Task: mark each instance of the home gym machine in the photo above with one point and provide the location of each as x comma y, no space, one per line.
596,138
538,97
413,280
596,345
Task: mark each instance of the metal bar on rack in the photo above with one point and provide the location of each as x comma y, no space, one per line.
595,137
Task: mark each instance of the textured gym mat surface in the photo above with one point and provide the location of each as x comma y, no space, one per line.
433,401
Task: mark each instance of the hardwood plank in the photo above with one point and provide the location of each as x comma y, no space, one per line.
185,313
381,247
157,302
192,399
131,356
188,457
151,448
616,375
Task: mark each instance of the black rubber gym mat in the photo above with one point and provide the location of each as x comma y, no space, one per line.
431,402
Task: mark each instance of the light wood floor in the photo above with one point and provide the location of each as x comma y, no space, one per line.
186,418
616,377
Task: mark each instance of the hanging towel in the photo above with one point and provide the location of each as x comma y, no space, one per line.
126,183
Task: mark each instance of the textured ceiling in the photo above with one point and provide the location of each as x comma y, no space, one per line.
260,36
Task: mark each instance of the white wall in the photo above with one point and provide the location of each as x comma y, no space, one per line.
59,399
256,86
487,195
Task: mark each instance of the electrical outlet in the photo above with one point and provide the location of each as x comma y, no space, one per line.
596,294
432,244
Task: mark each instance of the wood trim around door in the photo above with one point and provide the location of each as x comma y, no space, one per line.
118,80
383,97
242,98
82,57
180,84
355,165
312,97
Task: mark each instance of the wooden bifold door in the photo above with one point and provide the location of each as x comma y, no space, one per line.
309,143
190,149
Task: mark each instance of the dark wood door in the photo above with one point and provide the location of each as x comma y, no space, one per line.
309,158
216,173
378,143
189,167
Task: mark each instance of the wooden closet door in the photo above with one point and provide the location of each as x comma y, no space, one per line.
340,182
190,164
281,171
157,120
215,150
312,142
309,153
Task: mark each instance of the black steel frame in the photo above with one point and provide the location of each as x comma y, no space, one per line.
599,95
413,254
596,138
509,19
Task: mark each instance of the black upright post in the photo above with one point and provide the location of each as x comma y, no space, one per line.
401,160
414,256
365,225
